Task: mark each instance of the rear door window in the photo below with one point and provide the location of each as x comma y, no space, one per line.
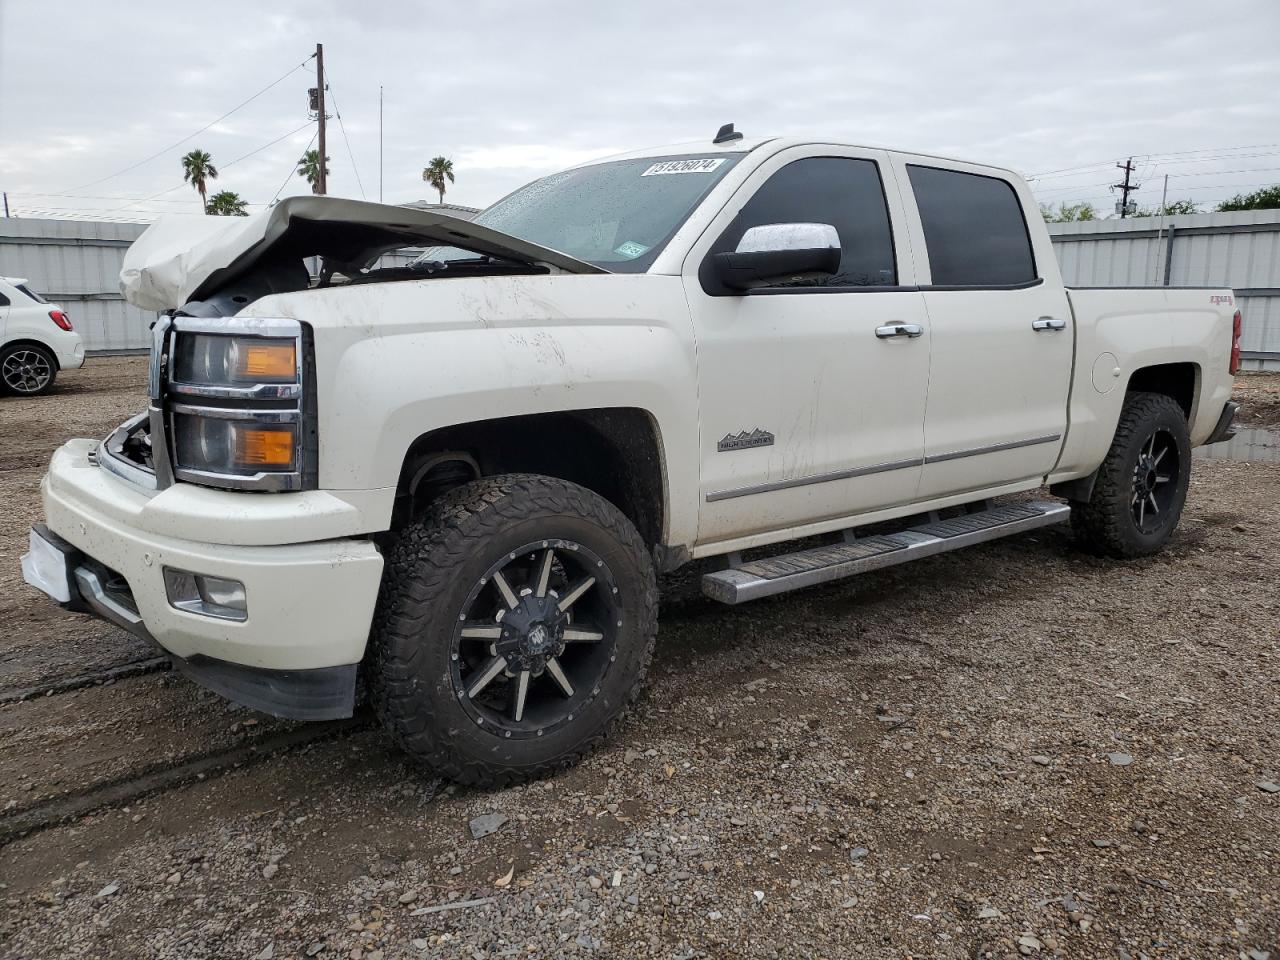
973,227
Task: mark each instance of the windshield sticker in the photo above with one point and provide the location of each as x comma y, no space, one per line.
683,166
631,249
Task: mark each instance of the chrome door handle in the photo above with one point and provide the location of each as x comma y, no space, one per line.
1048,323
891,330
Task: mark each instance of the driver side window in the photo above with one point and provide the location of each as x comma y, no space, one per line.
843,192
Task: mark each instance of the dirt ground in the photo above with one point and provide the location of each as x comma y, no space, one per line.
1018,750
1259,399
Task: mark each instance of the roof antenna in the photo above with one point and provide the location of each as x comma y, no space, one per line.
726,134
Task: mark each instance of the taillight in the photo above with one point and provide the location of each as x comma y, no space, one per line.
1237,326
61,319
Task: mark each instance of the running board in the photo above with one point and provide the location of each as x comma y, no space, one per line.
805,568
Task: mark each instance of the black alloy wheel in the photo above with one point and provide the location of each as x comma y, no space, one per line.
535,638
27,370
1155,481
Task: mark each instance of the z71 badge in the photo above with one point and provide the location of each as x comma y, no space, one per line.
745,440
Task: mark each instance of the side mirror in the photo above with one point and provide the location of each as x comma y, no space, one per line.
778,251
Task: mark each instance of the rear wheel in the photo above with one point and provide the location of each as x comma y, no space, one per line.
515,624
1142,484
27,369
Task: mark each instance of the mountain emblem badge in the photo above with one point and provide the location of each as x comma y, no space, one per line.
745,440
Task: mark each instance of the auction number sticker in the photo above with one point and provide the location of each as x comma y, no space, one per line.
683,166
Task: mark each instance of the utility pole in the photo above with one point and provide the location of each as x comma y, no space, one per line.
1125,188
323,181
6,205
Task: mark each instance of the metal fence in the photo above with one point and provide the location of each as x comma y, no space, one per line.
1239,250
77,263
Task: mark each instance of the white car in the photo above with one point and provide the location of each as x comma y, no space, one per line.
460,477
36,340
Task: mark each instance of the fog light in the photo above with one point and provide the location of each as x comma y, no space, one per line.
206,595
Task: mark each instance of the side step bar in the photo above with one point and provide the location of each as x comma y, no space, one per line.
805,568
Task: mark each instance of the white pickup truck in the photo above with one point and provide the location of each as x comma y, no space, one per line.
459,478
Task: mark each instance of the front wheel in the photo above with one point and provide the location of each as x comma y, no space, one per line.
516,622
1142,484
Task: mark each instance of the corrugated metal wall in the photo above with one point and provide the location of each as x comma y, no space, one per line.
77,264
1238,250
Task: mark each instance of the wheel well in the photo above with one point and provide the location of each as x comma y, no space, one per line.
1175,380
613,452
33,343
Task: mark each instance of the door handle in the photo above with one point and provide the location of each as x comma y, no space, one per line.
1048,323
891,330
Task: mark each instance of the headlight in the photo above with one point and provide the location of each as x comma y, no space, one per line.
211,360
211,442
238,408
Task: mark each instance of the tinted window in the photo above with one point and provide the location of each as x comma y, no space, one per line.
845,193
23,288
973,227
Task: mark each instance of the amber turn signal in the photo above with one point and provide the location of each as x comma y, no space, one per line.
269,361
264,448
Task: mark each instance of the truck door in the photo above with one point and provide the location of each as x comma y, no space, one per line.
811,394
1001,329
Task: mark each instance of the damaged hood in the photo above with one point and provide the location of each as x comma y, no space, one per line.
183,258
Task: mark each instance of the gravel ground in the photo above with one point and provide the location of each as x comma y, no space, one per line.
1259,397
1017,750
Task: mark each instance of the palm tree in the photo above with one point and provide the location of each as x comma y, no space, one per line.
436,172
227,203
309,168
198,170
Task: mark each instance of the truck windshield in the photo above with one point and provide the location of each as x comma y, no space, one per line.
616,215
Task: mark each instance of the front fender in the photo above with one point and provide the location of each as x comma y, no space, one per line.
397,360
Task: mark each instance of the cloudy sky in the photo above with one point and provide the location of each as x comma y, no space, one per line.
99,100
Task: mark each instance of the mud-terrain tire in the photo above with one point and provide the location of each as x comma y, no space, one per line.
1139,493
445,577
27,370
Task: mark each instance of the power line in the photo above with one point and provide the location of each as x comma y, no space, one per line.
337,111
159,153
294,168
225,166
1151,156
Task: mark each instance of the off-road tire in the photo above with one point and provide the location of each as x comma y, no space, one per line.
430,569
1105,523
46,355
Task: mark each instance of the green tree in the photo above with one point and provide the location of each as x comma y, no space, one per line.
1069,212
1174,208
1268,198
227,203
309,169
437,172
198,170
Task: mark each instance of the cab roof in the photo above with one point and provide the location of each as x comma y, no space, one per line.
708,148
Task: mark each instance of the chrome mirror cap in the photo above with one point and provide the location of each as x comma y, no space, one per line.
771,237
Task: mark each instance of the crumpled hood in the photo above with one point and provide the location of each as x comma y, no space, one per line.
181,258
